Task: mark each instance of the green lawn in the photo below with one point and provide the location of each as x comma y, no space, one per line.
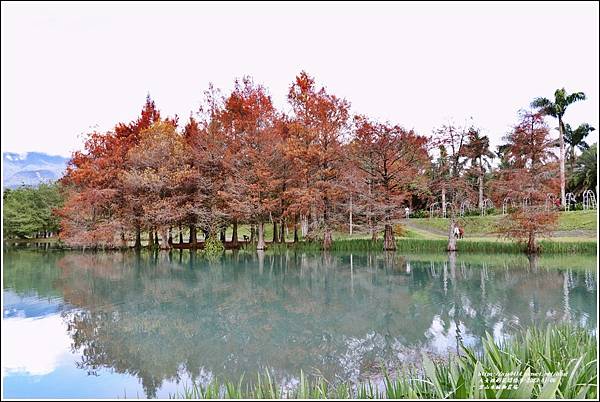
476,226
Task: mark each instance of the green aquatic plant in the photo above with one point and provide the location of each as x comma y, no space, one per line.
213,248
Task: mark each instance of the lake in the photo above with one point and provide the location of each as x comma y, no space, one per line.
121,324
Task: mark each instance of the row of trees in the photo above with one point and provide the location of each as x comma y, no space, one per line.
314,171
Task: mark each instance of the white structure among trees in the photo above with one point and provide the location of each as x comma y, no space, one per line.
589,200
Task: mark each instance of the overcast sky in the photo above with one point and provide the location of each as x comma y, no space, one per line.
68,67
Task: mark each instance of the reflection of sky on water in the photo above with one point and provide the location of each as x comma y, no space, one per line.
28,306
37,360
443,338
343,322
34,346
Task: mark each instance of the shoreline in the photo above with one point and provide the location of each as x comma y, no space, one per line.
492,246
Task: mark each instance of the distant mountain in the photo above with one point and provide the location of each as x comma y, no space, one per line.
31,168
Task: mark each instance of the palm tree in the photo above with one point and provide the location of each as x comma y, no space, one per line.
557,110
576,139
586,171
478,150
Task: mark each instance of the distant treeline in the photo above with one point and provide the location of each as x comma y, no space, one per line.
29,211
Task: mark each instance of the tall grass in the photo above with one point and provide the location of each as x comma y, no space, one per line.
556,362
582,247
439,245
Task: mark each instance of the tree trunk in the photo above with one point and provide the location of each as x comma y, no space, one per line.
275,232
252,233
481,188
350,215
180,235
561,130
451,237
327,240
150,239
156,238
138,238
234,234
304,224
370,217
295,228
531,244
170,236
443,202
281,231
261,236
389,243
193,238
222,236
164,238
314,218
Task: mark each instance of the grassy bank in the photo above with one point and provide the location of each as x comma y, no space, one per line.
537,357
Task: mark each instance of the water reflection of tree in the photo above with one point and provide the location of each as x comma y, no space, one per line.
156,316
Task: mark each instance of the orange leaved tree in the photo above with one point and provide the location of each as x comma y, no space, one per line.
391,159
530,175
320,121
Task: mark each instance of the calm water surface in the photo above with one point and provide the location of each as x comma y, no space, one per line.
111,325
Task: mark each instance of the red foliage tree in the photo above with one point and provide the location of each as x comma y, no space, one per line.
391,159
530,175
319,124
207,143
252,154
157,171
93,177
